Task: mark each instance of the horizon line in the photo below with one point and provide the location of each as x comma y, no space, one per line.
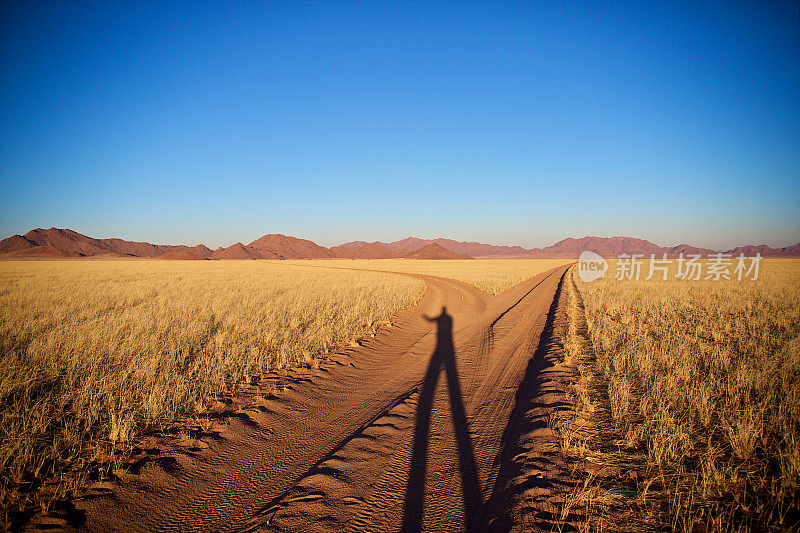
685,243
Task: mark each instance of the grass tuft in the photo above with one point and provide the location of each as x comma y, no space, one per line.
92,354
701,385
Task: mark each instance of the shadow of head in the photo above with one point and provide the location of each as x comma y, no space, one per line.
443,320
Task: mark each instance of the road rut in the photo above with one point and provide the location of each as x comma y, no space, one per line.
402,433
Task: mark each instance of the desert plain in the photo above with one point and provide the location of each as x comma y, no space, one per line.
396,394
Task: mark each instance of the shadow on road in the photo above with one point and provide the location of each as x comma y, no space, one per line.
443,358
498,514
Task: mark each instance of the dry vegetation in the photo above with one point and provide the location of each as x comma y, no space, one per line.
692,389
490,275
94,353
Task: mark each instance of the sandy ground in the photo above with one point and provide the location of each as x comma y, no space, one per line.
433,425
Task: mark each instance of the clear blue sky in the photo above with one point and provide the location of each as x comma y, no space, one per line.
187,122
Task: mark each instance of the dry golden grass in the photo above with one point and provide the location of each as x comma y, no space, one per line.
701,380
492,276
93,353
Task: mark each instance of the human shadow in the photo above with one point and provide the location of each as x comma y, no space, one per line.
443,357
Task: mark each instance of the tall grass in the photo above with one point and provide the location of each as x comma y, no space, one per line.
703,387
93,353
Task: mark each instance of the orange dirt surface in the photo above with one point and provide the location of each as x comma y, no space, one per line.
418,429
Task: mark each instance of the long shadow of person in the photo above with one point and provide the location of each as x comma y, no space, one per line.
443,357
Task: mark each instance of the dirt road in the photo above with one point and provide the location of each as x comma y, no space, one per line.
407,432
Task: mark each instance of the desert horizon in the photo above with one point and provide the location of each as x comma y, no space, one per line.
65,243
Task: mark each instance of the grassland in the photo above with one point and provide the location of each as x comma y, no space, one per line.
93,353
694,390
96,352
490,275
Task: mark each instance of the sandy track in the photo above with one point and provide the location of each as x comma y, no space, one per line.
404,433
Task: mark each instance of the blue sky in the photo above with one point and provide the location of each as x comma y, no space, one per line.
509,123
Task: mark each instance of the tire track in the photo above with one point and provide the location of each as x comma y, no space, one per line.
334,450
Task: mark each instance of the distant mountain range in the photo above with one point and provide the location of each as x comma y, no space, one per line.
65,243
605,246
473,249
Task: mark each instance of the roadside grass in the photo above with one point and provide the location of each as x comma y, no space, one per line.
93,353
691,390
492,276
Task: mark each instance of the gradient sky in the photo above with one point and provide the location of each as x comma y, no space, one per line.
187,122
